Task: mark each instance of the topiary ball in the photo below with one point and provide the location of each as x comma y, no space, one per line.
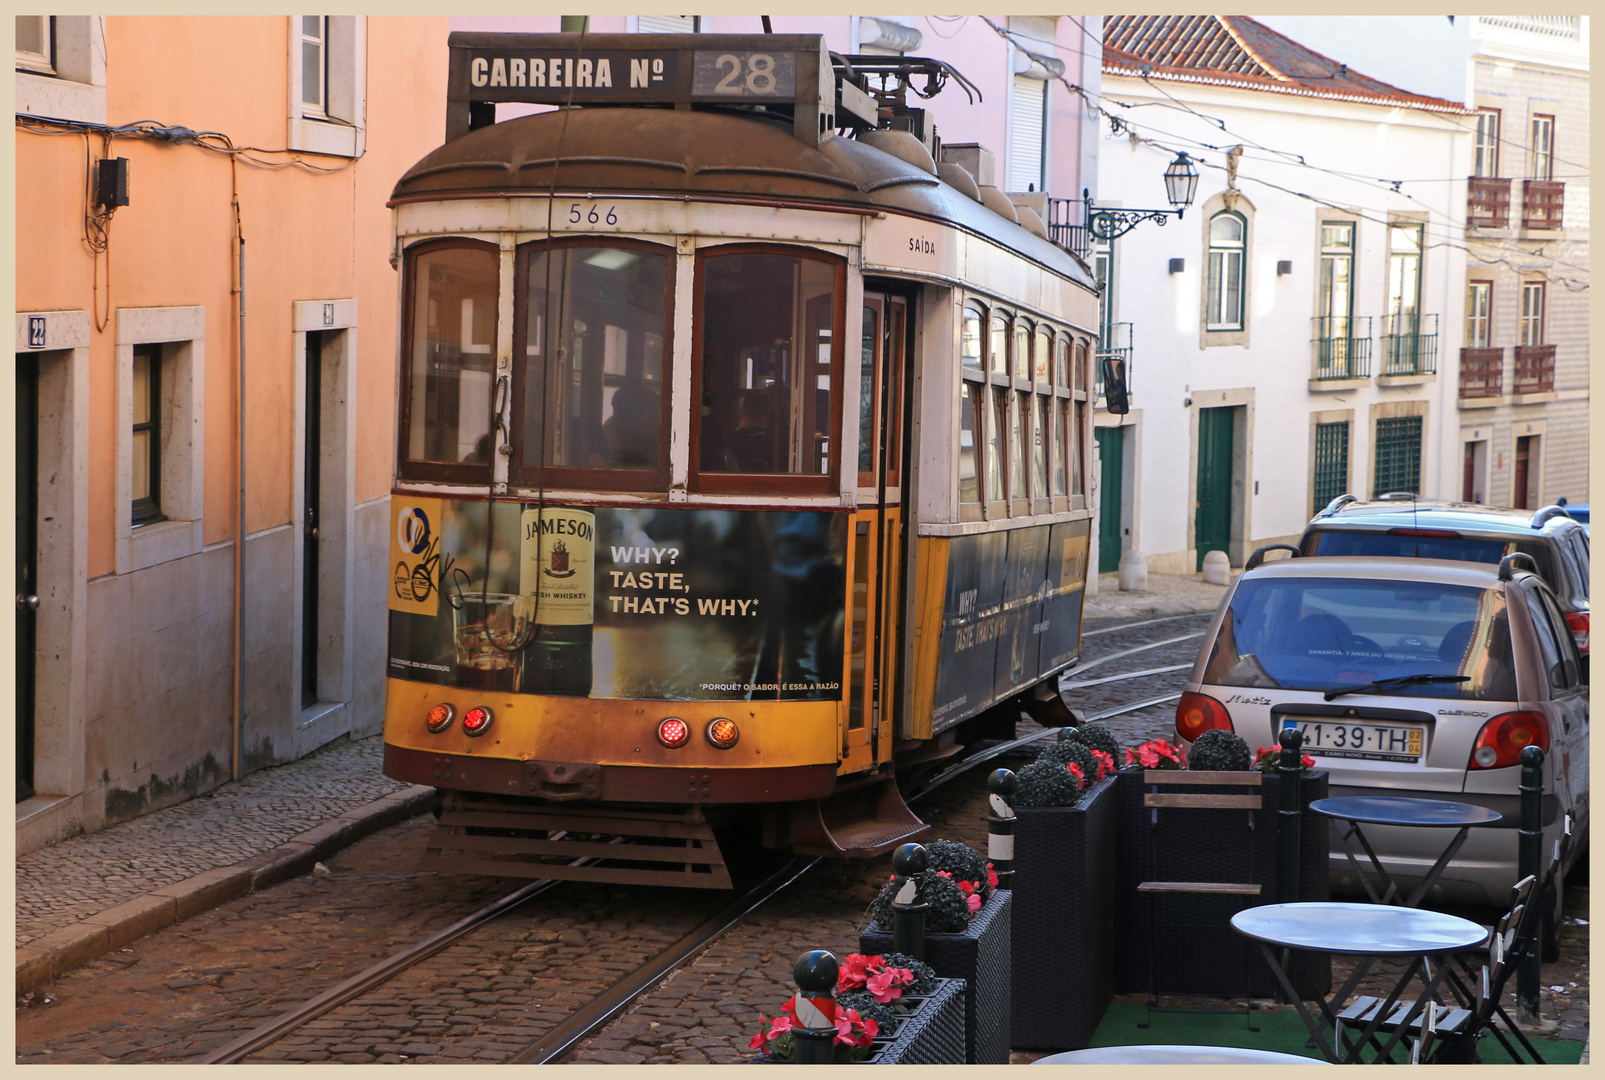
1099,737
959,860
1219,750
924,974
869,1009
1046,782
947,908
1072,750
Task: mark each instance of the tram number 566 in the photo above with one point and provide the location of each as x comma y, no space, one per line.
592,216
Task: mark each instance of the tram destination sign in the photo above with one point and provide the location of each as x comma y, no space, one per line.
783,70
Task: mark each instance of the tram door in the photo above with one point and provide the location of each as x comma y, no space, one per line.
874,543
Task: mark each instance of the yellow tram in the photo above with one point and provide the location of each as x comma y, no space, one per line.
740,461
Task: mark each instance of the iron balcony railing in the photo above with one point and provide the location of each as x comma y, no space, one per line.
1488,202
1535,369
1409,344
1067,225
1342,347
1482,372
1542,202
1117,347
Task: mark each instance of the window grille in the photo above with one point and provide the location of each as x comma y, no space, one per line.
1398,456
1331,462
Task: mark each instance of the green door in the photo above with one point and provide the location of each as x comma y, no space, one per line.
1111,450
1212,520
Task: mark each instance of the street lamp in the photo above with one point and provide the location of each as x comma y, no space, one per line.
1181,183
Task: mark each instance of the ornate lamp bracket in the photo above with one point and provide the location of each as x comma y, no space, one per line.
1108,224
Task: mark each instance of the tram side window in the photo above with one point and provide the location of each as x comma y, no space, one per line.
769,349
592,327
451,357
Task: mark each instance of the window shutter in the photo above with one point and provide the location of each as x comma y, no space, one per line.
1026,114
666,24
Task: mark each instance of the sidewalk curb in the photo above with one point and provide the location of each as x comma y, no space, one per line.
42,961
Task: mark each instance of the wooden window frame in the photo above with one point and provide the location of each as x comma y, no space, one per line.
148,510
1492,145
780,484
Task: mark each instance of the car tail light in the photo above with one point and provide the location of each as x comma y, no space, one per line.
1198,713
439,718
1578,621
476,721
722,733
673,732
1502,739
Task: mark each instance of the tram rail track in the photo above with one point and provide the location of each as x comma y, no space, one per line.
593,1016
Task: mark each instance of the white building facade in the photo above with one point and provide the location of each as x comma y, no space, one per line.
1295,335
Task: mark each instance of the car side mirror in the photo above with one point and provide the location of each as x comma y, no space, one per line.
1116,395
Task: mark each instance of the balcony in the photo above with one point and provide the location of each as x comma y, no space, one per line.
1117,347
1535,369
1409,345
1488,202
1541,203
1482,373
1067,225
1342,348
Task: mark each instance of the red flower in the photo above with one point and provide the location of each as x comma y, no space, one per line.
779,1026
855,970
966,887
1106,763
975,903
1157,754
882,986
1075,771
991,877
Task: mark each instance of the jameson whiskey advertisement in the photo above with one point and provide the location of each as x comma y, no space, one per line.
671,604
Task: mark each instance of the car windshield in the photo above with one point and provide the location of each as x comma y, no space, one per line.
1422,544
1322,633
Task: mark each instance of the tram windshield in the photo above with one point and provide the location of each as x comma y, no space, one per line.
766,366
451,361
592,327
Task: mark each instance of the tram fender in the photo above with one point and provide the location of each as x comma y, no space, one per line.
859,823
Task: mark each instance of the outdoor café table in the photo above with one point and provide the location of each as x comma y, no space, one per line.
1175,1055
1407,812
1367,930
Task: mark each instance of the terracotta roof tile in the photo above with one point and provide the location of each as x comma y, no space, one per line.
1236,50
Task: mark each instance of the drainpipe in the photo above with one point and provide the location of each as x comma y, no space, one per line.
239,514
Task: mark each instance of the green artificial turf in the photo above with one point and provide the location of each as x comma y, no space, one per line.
1281,1031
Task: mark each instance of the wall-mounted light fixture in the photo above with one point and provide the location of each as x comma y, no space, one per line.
1181,183
1177,266
1284,266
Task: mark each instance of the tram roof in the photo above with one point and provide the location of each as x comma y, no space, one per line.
718,154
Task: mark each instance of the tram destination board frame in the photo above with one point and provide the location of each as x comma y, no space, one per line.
784,71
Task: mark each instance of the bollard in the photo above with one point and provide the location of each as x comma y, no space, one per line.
908,903
816,973
1289,817
1530,860
1000,826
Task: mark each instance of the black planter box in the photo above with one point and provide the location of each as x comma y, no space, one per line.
1200,953
1064,920
933,1034
979,956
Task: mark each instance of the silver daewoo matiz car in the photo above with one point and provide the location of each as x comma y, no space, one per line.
1408,677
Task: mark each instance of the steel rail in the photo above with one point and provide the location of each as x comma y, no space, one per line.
1079,668
1145,622
1125,675
343,991
616,998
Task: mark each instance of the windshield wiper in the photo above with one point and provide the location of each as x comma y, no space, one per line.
1394,683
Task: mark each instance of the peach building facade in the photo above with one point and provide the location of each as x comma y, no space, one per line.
204,268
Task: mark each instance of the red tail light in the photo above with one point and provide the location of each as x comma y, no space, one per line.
1578,621
673,732
1198,713
1500,742
476,721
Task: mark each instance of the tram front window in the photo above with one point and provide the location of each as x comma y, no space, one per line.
451,356
591,331
766,390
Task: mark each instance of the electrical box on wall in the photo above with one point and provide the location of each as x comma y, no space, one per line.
111,182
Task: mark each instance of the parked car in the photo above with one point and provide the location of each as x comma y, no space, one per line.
1408,677
1578,512
1402,525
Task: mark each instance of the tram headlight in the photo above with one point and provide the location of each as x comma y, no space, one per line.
673,732
439,718
476,721
722,733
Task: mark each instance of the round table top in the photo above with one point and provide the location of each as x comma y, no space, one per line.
1175,1055
1358,929
1397,810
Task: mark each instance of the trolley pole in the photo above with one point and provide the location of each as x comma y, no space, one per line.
908,902
816,974
1000,826
1530,860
